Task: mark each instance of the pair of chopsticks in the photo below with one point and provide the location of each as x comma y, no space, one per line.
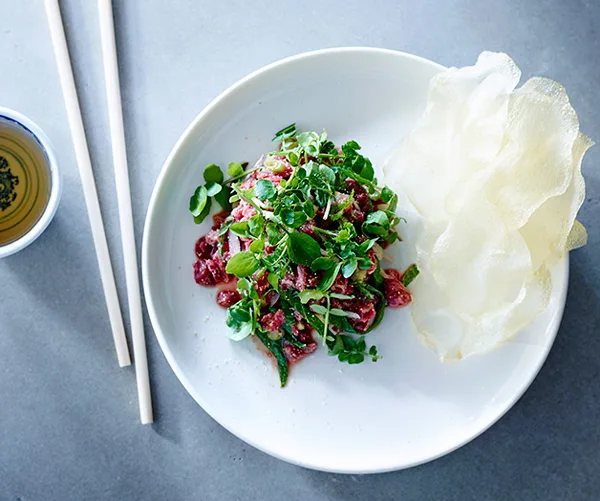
115,114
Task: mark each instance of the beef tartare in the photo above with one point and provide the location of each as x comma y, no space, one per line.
298,246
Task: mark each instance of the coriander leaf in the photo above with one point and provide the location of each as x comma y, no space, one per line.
265,190
213,173
307,294
257,245
322,263
198,201
319,309
302,248
234,169
212,188
335,295
242,264
409,275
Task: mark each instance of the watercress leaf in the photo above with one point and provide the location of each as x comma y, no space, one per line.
329,277
212,188
301,173
243,284
356,358
293,219
265,190
309,142
240,229
327,174
338,313
213,173
361,345
273,279
364,264
198,201
336,295
256,224
386,194
367,170
373,352
377,223
349,267
242,264
273,233
224,197
391,237
338,346
410,274
257,245
241,331
319,309
293,158
367,245
307,294
350,148
393,203
378,217
322,263
309,209
235,169
302,248
205,212
321,197
343,356
342,324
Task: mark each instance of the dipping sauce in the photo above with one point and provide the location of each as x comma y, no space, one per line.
25,181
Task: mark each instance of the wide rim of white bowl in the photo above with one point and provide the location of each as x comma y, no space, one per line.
169,165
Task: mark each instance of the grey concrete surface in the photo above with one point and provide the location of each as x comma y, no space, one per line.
68,416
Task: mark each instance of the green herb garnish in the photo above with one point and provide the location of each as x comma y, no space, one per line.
315,211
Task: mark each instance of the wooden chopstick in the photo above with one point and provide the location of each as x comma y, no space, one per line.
84,163
117,134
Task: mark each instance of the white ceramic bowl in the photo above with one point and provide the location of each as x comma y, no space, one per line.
29,127
407,408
